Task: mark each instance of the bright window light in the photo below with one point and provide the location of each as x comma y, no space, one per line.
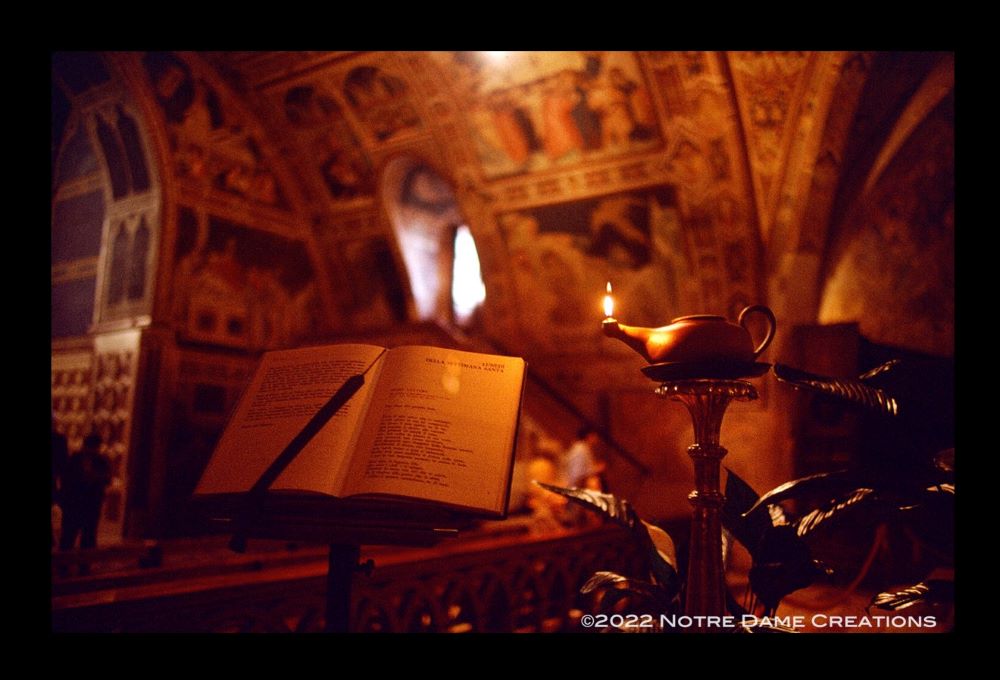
467,288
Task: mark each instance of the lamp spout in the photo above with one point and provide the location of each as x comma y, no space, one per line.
635,337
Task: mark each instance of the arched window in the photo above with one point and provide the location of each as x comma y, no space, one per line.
137,265
119,265
129,132
436,244
115,158
468,292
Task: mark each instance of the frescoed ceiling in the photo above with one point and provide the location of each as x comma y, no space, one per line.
695,181
580,166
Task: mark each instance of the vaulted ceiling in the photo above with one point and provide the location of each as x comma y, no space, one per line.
695,181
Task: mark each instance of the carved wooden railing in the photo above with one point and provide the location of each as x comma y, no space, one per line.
493,584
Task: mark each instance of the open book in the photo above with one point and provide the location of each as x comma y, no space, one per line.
430,433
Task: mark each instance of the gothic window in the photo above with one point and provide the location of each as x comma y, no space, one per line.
137,263
119,263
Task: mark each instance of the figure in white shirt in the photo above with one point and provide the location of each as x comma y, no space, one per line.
582,468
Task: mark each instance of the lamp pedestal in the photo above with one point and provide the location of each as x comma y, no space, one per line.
706,400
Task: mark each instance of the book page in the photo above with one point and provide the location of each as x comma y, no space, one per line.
441,427
289,387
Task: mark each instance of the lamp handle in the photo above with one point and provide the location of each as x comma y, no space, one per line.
772,325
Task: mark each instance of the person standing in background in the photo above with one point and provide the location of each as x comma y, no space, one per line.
87,475
583,469
60,458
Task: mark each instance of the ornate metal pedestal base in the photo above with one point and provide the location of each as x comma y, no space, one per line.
706,400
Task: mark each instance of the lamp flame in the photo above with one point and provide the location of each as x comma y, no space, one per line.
609,303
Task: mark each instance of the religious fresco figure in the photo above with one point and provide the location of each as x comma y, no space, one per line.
561,135
538,110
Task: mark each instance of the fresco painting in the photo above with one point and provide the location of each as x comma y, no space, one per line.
563,255
320,126
240,287
381,101
536,111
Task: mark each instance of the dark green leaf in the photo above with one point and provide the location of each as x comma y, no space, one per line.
733,607
939,496
900,599
782,565
822,568
603,579
811,520
748,529
848,389
740,496
782,562
932,523
655,542
664,573
945,460
932,591
663,544
616,587
829,483
778,516
612,596
618,509
879,370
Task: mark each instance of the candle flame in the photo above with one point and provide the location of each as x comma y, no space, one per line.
609,303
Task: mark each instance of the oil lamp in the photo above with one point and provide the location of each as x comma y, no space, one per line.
702,361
